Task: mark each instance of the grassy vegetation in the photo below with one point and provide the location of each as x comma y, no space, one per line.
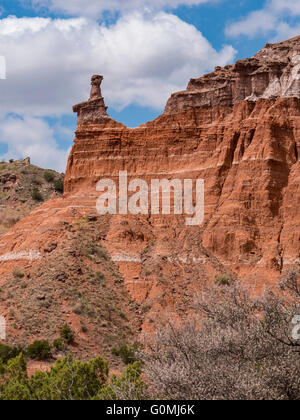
70,380
23,187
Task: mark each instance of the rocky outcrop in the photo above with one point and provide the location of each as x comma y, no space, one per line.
272,73
248,157
94,110
238,129
18,179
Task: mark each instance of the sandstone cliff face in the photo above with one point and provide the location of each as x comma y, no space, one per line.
239,130
272,73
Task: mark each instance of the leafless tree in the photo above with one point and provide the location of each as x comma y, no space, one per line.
239,347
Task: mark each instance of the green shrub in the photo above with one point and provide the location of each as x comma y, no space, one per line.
92,251
70,380
36,195
39,350
18,274
49,176
224,280
7,353
84,329
59,185
100,276
129,386
67,335
127,353
59,344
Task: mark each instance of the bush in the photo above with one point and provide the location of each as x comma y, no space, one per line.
100,276
238,347
39,350
36,195
129,386
59,185
84,329
223,280
59,344
66,380
91,250
49,176
67,335
18,274
7,353
127,353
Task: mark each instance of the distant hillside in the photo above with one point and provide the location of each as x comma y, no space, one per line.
22,188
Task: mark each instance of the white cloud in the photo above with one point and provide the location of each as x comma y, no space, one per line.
258,22
269,20
290,6
286,31
94,8
144,57
32,137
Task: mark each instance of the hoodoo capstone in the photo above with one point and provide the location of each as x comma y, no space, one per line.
93,110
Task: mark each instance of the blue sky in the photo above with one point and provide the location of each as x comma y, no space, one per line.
145,49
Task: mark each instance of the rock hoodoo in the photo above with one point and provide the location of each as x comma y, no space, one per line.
237,128
93,110
96,89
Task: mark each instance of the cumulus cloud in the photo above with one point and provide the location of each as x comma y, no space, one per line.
270,20
286,31
258,22
95,8
32,137
290,6
143,58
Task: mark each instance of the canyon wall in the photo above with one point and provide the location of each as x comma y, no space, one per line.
238,129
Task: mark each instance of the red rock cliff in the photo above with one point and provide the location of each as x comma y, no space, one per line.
237,128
